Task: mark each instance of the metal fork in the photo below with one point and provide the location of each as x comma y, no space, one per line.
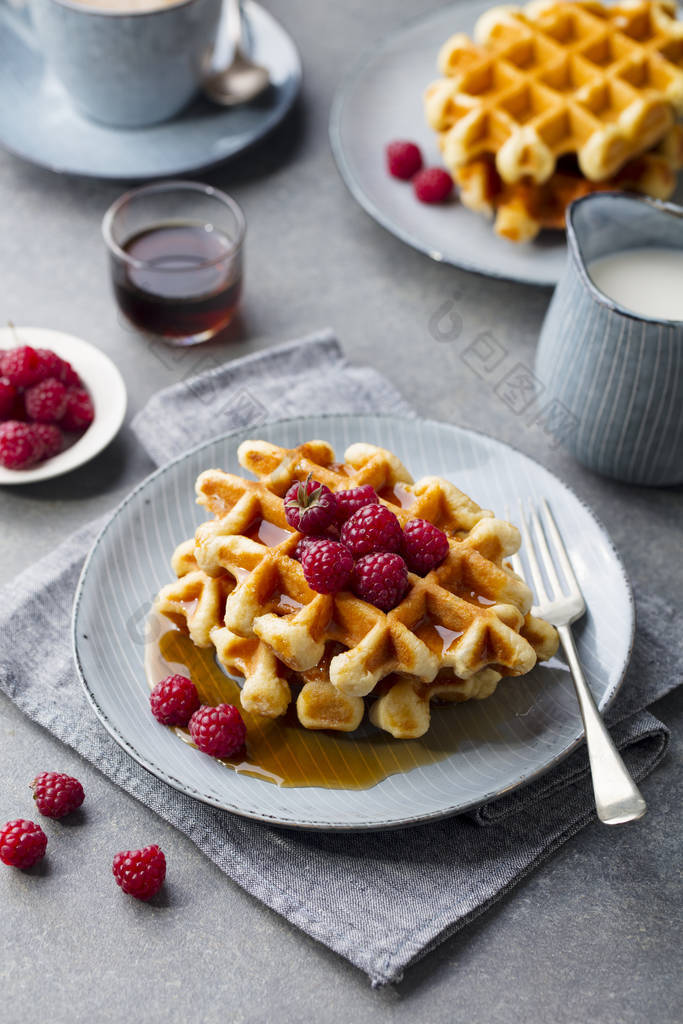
617,798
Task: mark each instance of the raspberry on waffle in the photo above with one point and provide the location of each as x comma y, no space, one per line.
466,615
603,83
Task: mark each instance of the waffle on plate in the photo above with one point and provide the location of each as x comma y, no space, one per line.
242,589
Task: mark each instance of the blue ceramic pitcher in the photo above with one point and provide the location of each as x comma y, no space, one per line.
618,374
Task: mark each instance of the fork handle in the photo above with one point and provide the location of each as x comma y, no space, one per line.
617,798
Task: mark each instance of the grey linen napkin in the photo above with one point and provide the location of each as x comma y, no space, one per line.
382,900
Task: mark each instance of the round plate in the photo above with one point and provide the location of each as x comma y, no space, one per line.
107,390
38,123
528,725
381,100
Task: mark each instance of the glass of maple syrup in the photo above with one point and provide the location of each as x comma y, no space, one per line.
175,255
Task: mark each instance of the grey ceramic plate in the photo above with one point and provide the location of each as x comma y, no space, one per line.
381,100
38,123
488,747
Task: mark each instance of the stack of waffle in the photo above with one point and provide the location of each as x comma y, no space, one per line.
456,633
556,100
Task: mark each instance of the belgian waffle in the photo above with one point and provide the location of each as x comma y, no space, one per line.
195,603
523,209
469,614
602,83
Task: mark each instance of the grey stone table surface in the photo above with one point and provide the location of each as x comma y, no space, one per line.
595,933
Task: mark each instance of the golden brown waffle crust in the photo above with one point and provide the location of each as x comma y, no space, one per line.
603,83
458,631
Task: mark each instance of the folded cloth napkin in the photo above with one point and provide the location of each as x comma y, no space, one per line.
382,899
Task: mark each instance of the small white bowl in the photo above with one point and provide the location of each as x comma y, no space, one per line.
100,377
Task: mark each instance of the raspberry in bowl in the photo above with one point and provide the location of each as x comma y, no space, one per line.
61,402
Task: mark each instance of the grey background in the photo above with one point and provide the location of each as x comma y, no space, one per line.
595,933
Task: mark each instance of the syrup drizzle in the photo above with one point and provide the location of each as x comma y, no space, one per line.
281,751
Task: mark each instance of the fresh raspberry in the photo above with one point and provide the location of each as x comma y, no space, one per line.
21,366
349,502
22,843
432,185
79,412
68,375
8,394
19,447
46,401
327,566
309,506
372,528
56,794
424,545
50,364
174,700
404,159
218,731
140,873
381,579
49,436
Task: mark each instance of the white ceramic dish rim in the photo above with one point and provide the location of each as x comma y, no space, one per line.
411,820
110,411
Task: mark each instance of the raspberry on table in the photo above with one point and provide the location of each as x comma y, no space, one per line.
19,447
57,794
218,731
327,565
140,873
309,506
424,545
381,579
404,159
350,501
79,412
372,528
174,700
432,185
22,843
46,401
8,394
50,364
49,436
21,366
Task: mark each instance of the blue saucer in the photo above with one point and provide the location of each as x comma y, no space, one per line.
38,123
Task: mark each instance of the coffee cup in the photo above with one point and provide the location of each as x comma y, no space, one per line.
127,62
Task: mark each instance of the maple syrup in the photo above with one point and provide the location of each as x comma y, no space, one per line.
280,750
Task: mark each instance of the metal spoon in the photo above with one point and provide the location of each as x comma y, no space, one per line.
240,80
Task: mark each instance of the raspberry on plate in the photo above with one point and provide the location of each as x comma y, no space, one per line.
22,843
140,873
309,506
327,566
218,731
174,700
372,528
49,436
349,502
79,412
68,375
21,366
8,394
57,794
424,545
46,401
432,185
404,159
19,447
381,579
